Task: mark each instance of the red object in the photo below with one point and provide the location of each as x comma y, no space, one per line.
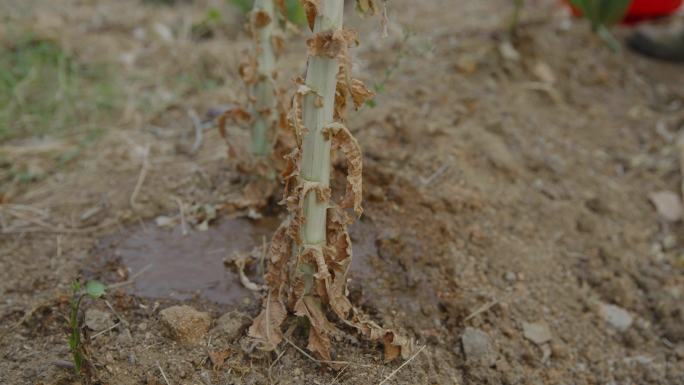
645,9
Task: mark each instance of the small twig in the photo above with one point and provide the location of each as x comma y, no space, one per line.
435,175
488,306
309,356
131,279
680,148
163,374
184,227
270,367
199,131
141,177
104,331
402,365
119,317
338,375
481,309
63,364
240,263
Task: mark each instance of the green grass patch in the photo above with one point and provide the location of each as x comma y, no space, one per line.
293,9
45,91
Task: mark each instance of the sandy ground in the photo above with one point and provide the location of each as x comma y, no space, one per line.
507,224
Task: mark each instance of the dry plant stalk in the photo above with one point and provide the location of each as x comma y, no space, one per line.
310,253
263,98
264,112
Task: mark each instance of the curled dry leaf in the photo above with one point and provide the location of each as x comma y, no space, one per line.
260,19
366,7
347,88
218,358
236,115
360,93
248,69
278,42
311,10
331,44
321,329
266,326
343,140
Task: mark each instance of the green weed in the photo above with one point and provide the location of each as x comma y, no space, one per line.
92,289
293,8
602,14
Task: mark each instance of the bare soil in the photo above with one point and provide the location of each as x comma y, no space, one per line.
500,190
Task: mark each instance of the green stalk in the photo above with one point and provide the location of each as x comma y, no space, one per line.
75,337
321,77
515,17
263,92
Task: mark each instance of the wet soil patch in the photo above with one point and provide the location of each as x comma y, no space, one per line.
180,267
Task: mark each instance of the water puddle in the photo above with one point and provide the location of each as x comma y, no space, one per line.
182,267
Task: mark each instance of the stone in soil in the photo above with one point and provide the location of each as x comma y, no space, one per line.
185,324
97,320
537,332
231,325
477,346
616,316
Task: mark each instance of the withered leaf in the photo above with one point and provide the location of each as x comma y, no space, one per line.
266,327
260,18
218,358
231,115
311,9
391,351
248,70
360,93
278,43
321,328
343,139
331,44
281,6
366,7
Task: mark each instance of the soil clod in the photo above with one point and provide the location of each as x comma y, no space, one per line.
185,324
616,316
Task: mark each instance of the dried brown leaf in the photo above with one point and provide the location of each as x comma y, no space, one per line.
343,139
281,6
321,329
311,9
391,351
218,358
248,70
266,327
296,110
260,18
279,253
278,43
396,345
237,115
295,204
331,44
366,7
360,93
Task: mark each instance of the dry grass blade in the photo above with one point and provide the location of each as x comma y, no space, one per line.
395,371
329,362
163,374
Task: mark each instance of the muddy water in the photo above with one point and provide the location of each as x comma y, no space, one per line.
181,267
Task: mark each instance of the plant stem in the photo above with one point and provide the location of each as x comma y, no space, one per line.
263,92
321,77
75,338
515,17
